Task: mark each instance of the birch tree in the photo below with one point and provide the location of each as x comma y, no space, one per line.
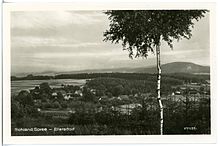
142,31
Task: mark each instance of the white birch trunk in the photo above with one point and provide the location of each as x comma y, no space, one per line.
158,88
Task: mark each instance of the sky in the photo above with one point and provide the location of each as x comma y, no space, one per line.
63,41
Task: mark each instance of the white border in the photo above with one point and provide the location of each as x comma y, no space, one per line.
8,139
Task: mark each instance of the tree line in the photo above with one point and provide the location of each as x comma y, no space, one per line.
137,76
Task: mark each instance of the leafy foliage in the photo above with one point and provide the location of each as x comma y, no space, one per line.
25,98
45,87
142,30
117,86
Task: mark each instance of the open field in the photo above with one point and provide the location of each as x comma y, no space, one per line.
17,86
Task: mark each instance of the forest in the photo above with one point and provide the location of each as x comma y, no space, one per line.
137,76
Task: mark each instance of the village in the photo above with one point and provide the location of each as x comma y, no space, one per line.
191,91
61,102
61,96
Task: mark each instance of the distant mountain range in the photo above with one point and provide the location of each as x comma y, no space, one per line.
174,67
177,67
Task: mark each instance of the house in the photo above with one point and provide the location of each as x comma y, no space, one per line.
58,90
177,93
68,96
54,94
192,83
193,91
78,92
194,98
93,91
127,108
114,98
176,98
103,98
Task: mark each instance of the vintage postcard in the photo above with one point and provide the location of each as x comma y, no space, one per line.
117,73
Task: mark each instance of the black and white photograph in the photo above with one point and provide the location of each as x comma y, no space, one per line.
110,72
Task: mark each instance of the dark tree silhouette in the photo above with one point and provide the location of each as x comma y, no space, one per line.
141,32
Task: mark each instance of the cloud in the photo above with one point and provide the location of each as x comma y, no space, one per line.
49,42
85,55
52,19
73,40
58,24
